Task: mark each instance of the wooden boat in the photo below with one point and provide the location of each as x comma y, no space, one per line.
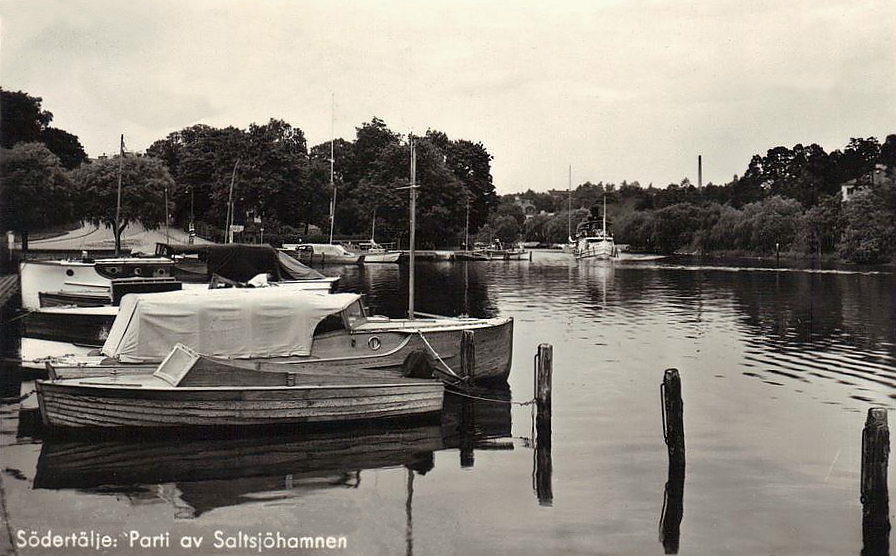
476,255
188,389
301,460
499,253
322,253
85,278
375,253
307,329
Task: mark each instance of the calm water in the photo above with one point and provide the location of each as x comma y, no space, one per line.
778,369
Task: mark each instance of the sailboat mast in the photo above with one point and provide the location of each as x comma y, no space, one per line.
373,227
569,205
332,163
605,215
413,227
467,227
227,231
118,202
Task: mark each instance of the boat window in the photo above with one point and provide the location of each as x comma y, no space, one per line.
329,324
354,314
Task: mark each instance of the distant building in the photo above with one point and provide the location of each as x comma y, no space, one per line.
881,174
527,206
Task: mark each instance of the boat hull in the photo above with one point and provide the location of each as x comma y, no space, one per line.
401,347
74,277
508,254
85,404
382,257
603,250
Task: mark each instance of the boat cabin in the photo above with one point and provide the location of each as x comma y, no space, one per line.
240,323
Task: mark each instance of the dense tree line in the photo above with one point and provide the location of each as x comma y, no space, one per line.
787,200
279,183
276,181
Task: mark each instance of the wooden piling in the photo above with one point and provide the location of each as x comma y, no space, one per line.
544,466
543,376
875,454
874,493
467,354
673,417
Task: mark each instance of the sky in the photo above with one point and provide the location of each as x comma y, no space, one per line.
618,90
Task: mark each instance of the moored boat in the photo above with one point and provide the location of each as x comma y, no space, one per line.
475,255
188,389
77,301
497,252
85,279
322,253
307,329
375,253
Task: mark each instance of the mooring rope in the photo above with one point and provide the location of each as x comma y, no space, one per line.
496,400
17,317
463,380
439,357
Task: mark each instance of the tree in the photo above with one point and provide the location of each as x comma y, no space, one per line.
66,146
888,151
24,121
36,192
869,228
200,159
144,180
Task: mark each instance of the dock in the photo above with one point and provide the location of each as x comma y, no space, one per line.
428,255
9,286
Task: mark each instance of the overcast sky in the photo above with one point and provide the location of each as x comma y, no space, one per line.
620,90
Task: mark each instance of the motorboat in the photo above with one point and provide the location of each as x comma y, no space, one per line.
85,282
322,253
300,329
77,301
497,252
375,253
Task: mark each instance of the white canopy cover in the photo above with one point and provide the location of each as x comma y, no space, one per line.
231,322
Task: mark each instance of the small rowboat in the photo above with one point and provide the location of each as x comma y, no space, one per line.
188,389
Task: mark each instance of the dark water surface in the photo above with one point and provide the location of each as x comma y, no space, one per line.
778,370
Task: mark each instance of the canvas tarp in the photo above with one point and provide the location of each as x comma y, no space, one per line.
231,322
242,262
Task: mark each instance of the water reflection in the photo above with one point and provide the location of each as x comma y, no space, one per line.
446,288
673,509
197,475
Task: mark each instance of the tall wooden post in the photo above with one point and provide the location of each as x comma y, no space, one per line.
673,433
673,417
874,493
467,354
544,466
543,377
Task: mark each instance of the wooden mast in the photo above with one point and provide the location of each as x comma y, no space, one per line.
569,206
118,202
228,232
332,163
413,234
